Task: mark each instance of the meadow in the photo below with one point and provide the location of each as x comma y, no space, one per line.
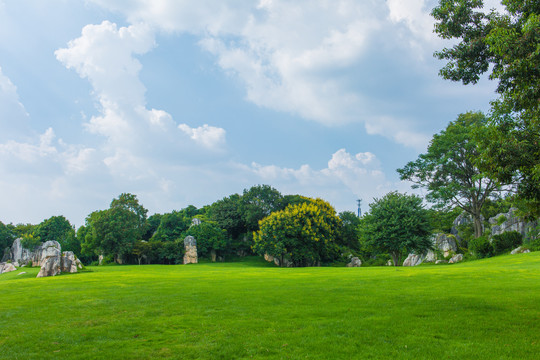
486,309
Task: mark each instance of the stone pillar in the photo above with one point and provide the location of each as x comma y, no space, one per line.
190,245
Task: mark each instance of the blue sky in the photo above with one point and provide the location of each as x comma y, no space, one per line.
184,102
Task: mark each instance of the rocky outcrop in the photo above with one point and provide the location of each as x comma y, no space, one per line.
456,258
441,262
510,222
445,243
51,266
413,260
520,250
46,250
17,253
69,262
355,262
7,267
190,255
463,219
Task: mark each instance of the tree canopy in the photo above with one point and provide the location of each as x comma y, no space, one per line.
397,224
507,44
448,169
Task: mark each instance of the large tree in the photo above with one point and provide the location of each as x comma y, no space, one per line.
448,169
507,45
305,233
58,228
397,224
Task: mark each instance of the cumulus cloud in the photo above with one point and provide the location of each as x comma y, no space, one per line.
208,136
298,57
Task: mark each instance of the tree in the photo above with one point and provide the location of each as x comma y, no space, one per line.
226,214
507,44
449,172
257,203
305,234
397,224
210,239
173,225
129,202
6,237
58,228
349,233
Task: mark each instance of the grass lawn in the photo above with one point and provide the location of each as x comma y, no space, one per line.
486,309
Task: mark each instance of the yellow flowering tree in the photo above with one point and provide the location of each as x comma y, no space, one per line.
303,234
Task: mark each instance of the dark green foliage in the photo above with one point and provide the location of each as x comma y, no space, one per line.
209,238
152,224
58,228
6,237
349,233
227,215
481,247
448,169
506,44
173,226
257,203
397,224
129,202
506,241
441,220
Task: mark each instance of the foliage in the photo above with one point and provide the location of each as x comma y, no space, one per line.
397,224
305,234
441,220
349,234
130,203
152,224
448,169
6,236
227,215
508,44
29,241
174,225
506,241
209,238
142,250
58,228
481,247
257,203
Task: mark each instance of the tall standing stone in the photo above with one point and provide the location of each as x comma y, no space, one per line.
190,246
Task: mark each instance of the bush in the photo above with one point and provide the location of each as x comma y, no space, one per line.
481,247
506,241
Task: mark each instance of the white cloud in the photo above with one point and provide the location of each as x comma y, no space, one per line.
209,136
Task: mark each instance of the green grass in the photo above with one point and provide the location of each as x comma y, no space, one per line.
487,309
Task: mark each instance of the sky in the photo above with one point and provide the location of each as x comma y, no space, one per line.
186,102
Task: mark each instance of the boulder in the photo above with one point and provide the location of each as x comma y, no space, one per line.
22,272
511,223
51,266
47,249
7,267
463,219
355,262
69,262
18,254
413,260
520,250
456,258
389,263
446,243
430,256
441,262
268,258
190,255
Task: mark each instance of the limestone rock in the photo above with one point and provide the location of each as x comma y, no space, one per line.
512,223
412,260
190,255
441,262
268,258
22,272
19,254
7,267
520,250
430,256
47,249
389,263
463,219
51,266
355,262
446,243
69,262
456,258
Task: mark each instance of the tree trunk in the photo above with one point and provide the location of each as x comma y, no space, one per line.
395,258
477,226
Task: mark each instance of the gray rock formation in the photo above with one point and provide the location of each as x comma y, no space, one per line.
190,255
430,256
18,254
441,262
520,250
413,260
7,267
511,223
355,262
446,243
51,266
46,250
463,219
456,258
70,263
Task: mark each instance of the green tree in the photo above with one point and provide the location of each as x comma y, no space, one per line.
305,234
397,224
227,215
507,44
57,228
449,172
6,237
257,203
129,202
142,250
349,232
173,225
210,239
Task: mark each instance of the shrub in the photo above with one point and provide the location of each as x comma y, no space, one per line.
481,247
506,241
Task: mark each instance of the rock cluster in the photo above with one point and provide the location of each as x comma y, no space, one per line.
355,262
48,256
7,267
456,258
519,250
511,223
413,260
